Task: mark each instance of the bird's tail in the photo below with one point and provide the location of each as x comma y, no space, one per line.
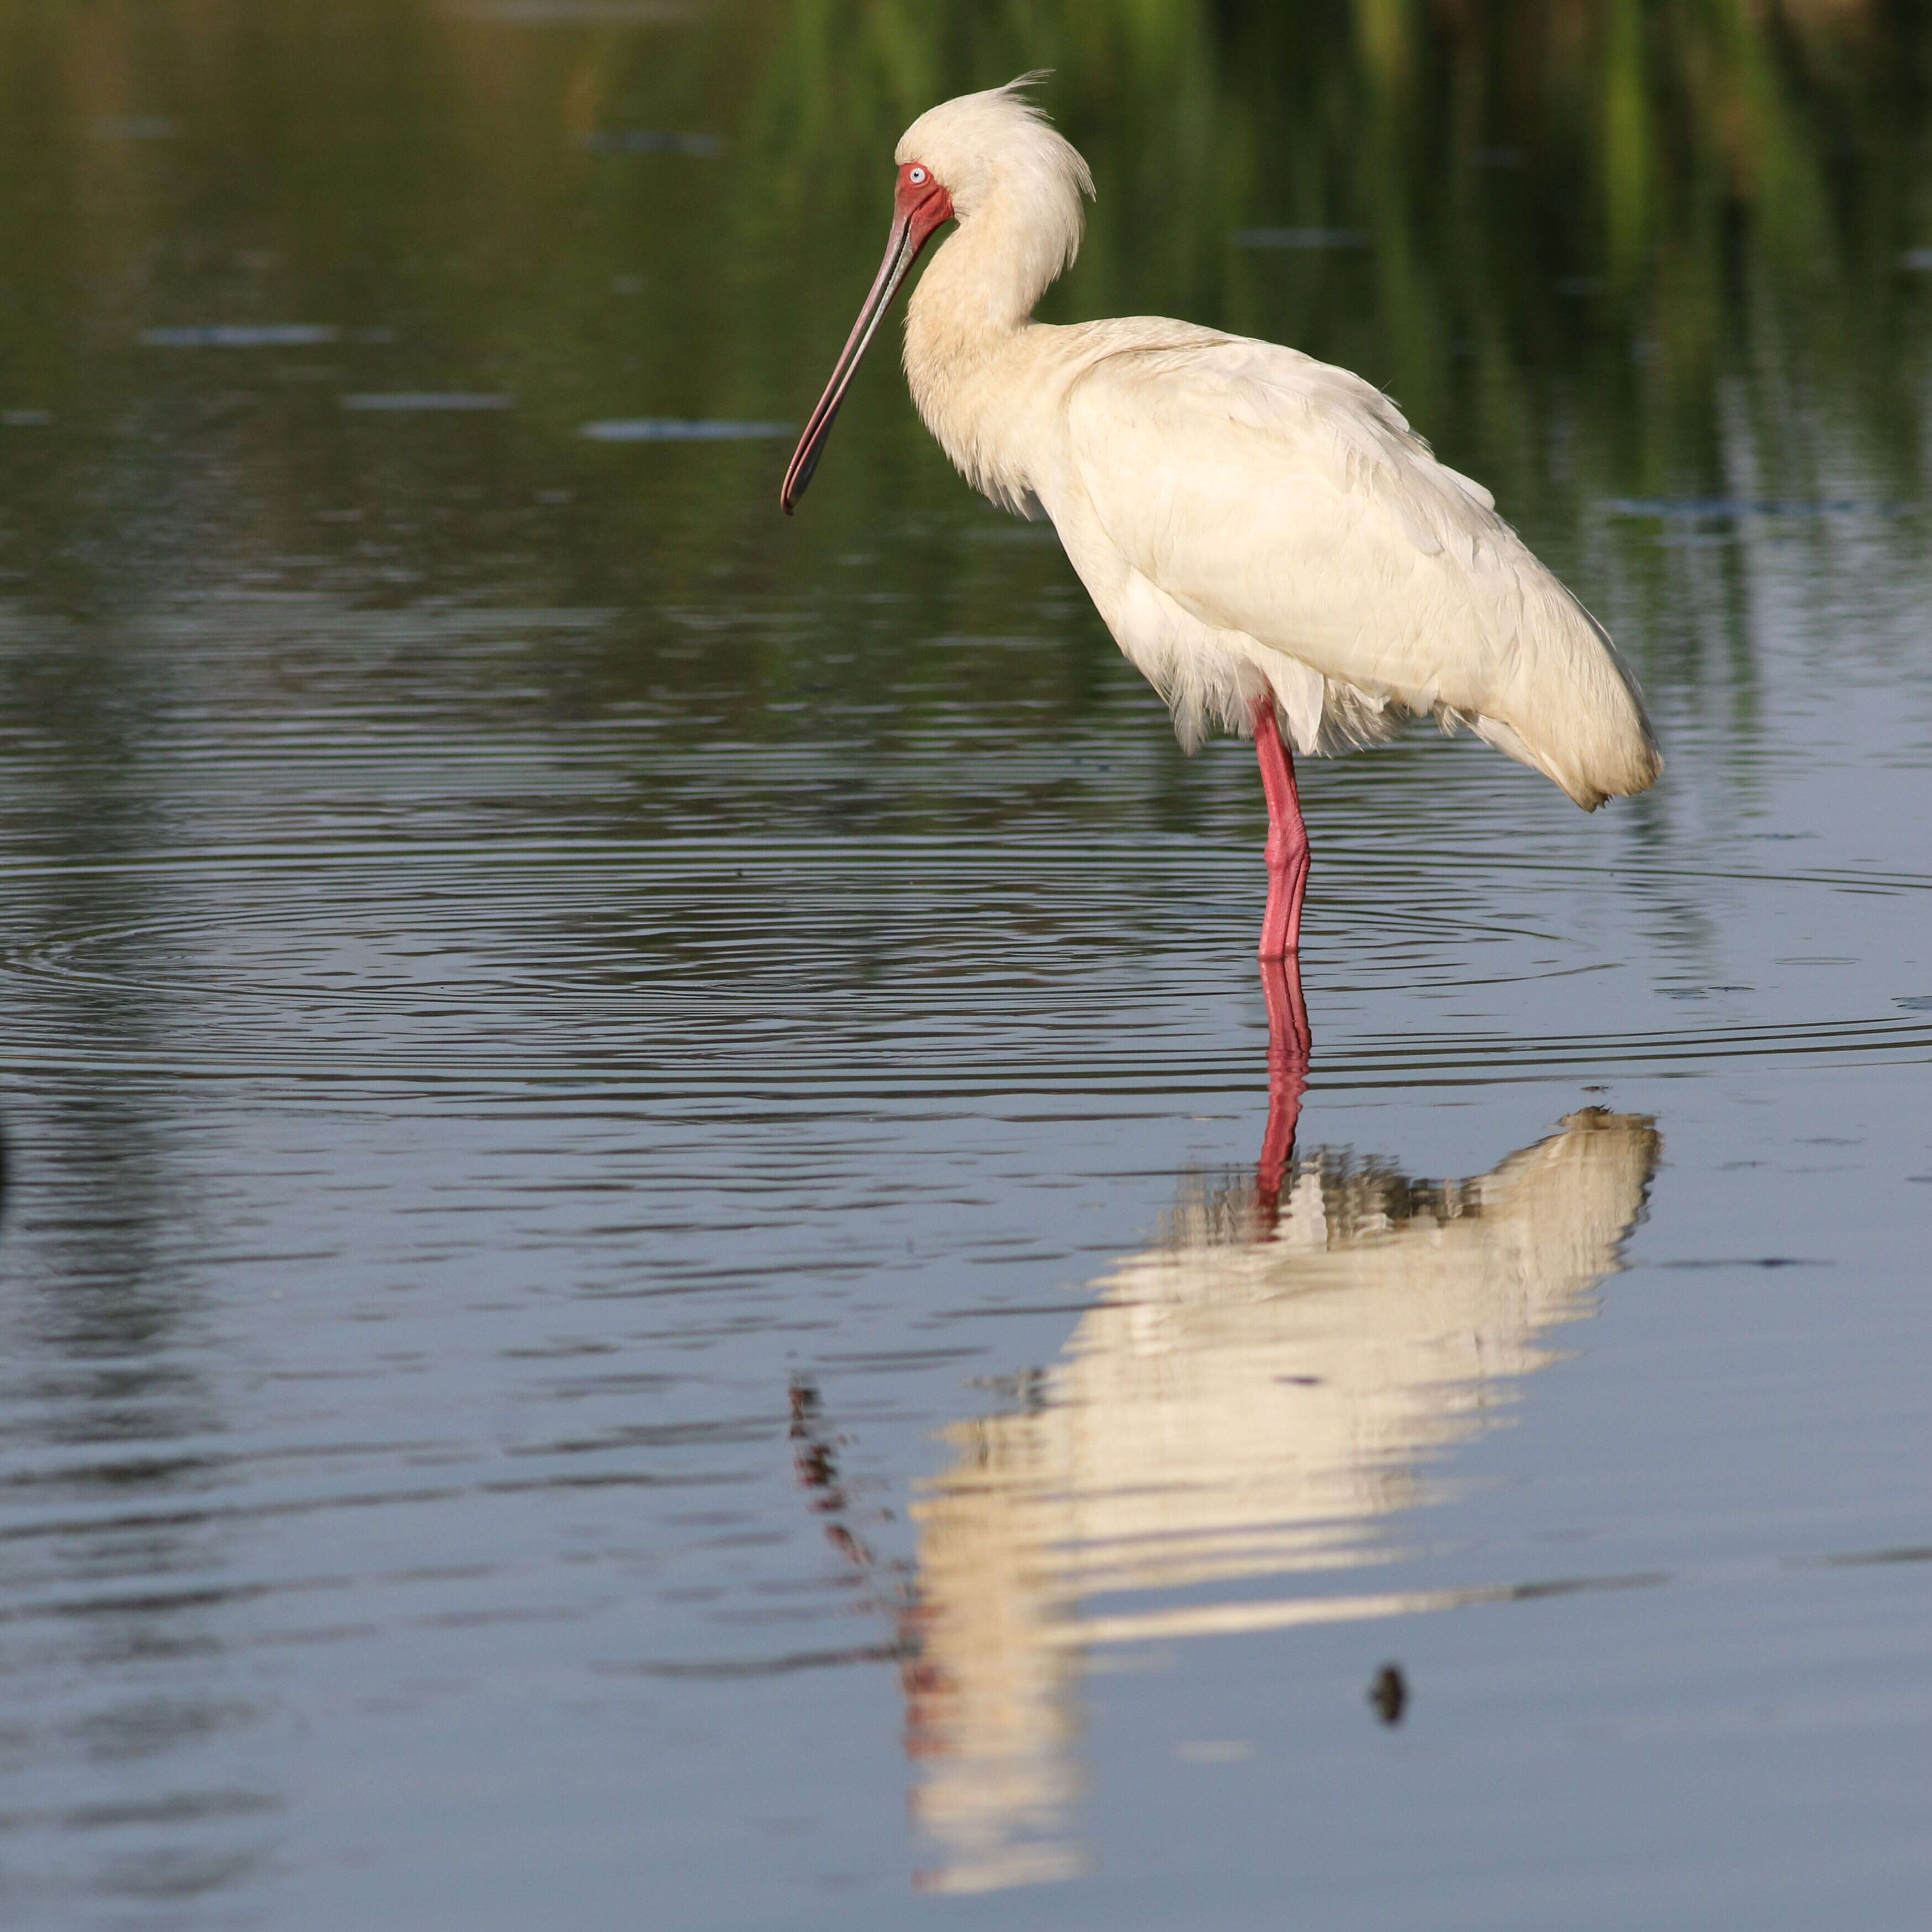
1573,709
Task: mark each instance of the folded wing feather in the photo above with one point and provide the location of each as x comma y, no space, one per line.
1273,495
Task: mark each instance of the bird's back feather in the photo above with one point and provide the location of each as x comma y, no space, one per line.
1275,499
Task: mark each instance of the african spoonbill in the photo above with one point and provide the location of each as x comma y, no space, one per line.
1265,536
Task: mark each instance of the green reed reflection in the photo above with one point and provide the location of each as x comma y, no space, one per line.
1607,250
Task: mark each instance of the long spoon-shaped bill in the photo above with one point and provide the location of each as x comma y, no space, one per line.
919,206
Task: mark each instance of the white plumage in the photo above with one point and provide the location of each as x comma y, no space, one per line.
1259,530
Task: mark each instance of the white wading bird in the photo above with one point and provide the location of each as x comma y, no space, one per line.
1264,535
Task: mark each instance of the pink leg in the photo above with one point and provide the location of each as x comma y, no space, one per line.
1289,1046
1287,840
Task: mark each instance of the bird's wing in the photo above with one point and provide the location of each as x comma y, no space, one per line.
1271,494
1265,493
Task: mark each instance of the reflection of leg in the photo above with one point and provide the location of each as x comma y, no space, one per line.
1289,1046
1288,837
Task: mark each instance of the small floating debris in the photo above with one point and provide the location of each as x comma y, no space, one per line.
1920,259
26,419
650,141
404,401
1743,506
134,127
679,429
1389,1693
1299,238
243,335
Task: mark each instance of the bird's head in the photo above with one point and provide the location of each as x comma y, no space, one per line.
961,161
997,147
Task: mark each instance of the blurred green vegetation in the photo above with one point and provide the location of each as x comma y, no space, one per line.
1610,249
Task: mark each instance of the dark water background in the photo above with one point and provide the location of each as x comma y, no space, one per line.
629,1293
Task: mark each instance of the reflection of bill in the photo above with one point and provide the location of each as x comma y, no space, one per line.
1245,1400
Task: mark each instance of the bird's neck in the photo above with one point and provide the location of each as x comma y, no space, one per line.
972,305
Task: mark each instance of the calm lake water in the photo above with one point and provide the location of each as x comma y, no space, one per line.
633,1288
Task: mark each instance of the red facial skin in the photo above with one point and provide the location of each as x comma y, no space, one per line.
920,206
925,203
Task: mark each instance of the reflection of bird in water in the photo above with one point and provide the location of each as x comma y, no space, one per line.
1247,1398
1265,536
